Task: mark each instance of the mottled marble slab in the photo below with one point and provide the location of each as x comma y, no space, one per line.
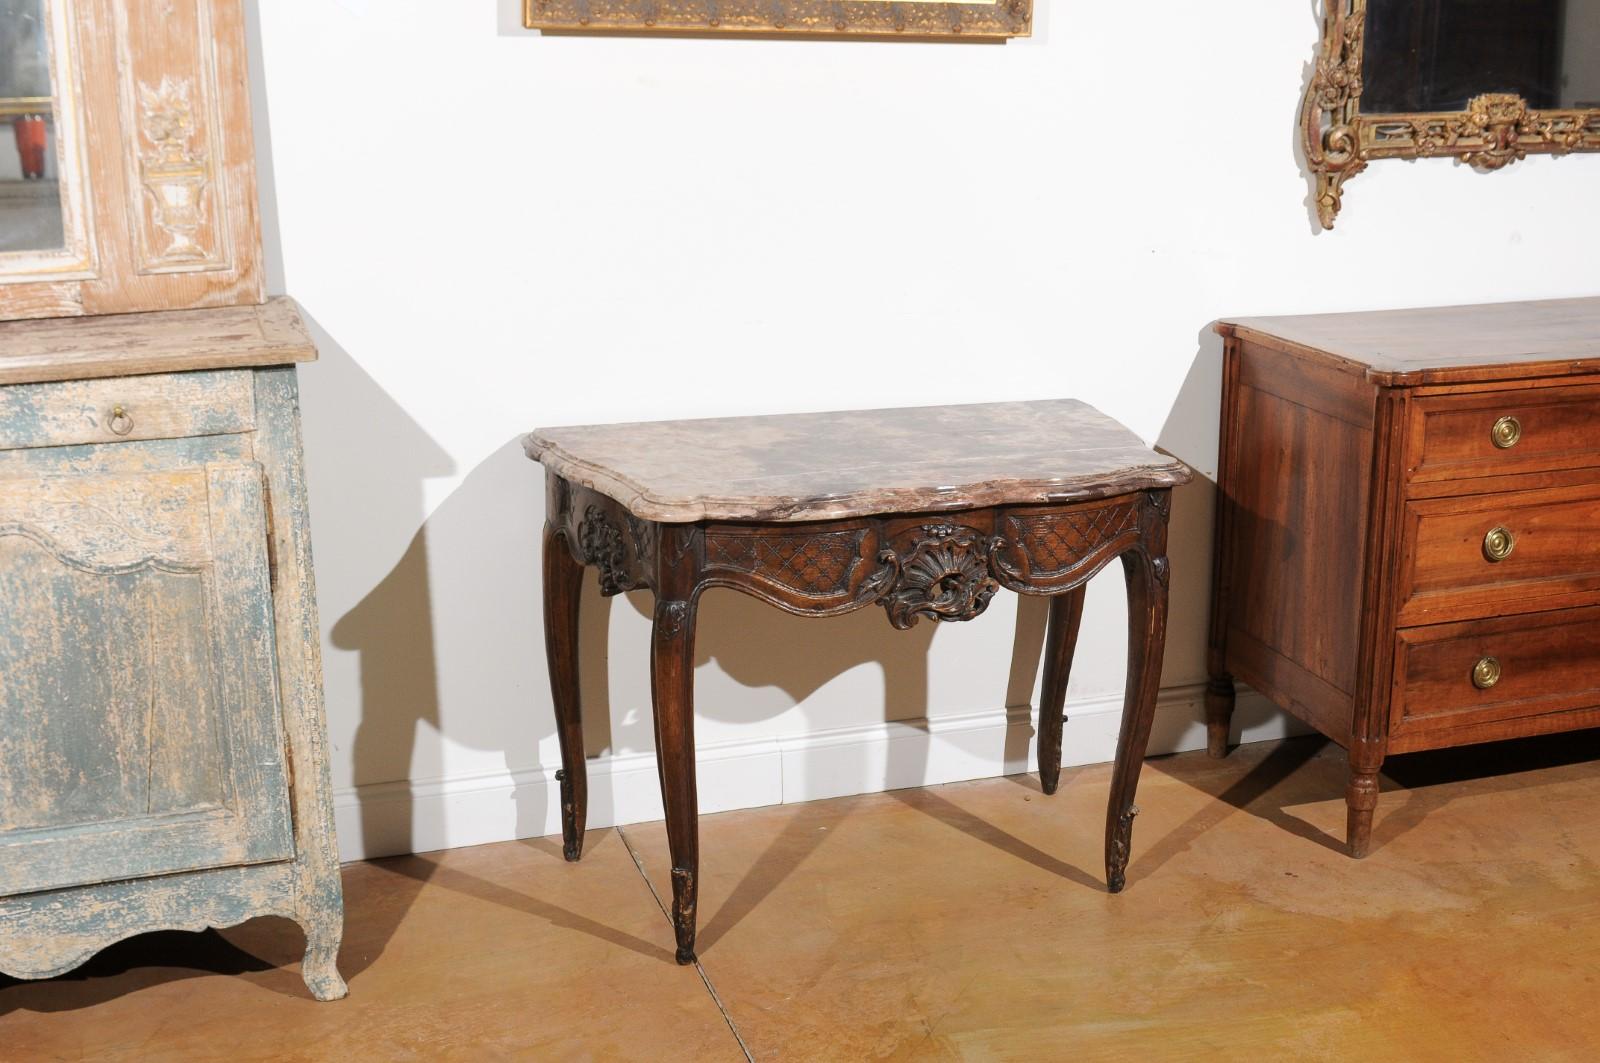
830,466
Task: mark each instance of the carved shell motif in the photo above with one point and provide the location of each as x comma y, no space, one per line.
946,577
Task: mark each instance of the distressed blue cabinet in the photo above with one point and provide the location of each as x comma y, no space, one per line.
162,746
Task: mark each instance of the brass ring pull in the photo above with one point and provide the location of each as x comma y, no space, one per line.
1498,544
1506,432
120,424
1486,673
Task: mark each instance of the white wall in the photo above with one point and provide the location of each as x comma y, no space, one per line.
493,230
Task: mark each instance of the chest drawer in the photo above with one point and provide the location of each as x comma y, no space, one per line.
121,409
1455,676
1492,433
1487,554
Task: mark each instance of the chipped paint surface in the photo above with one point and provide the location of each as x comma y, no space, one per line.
169,406
156,682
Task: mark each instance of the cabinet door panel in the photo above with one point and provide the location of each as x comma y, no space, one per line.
155,159
139,721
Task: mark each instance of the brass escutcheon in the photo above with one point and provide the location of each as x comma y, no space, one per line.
1506,432
1498,544
1486,673
120,423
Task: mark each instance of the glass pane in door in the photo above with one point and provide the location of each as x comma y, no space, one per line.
30,190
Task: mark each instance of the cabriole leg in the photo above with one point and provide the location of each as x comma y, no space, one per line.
1147,631
563,579
672,689
1066,615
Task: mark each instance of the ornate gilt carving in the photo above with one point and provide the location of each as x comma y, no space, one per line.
1494,131
174,171
945,576
872,18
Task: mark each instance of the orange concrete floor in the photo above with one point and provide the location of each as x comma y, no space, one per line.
956,922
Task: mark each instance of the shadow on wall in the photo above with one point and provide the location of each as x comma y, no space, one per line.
363,483
1191,434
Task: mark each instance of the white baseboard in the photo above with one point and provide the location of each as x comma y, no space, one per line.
384,819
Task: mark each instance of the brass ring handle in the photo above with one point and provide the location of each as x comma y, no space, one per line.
1486,673
1506,432
120,423
1498,544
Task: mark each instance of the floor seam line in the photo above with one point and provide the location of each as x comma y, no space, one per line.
705,979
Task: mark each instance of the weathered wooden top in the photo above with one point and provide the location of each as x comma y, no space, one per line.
80,348
1444,344
829,466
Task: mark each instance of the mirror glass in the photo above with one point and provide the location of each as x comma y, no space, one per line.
30,190
1436,55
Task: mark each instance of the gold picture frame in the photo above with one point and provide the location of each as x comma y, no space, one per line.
870,19
1495,130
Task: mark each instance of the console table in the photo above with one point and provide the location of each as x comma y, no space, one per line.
927,512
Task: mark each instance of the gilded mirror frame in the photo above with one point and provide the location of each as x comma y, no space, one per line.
1494,131
860,19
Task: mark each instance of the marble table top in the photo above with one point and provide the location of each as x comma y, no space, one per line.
831,466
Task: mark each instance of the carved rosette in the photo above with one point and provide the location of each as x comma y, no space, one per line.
945,576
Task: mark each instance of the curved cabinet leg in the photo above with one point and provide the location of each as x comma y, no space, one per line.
1220,697
1147,631
1361,797
320,967
1066,615
672,690
563,579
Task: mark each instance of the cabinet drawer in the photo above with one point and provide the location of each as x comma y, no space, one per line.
1492,433
167,406
1484,554
1455,676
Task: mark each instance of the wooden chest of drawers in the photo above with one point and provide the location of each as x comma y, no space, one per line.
1407,553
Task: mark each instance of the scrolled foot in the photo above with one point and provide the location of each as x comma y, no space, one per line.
321,972
683,913
571,836
1117,849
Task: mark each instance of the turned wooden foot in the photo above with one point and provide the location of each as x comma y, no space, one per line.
1220,699
1362,798
563,579
1061,639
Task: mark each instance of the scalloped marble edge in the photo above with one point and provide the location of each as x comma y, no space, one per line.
781,509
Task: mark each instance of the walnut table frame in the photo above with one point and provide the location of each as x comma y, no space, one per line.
836,512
